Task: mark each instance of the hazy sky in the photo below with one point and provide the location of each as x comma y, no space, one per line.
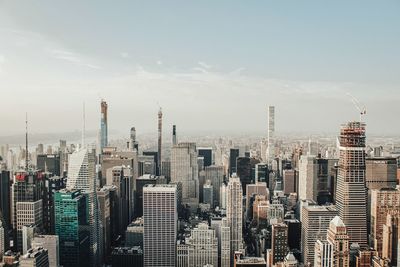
212,65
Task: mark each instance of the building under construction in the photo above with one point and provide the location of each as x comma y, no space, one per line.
351,195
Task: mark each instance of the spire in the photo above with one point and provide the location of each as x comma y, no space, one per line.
84,125
26,142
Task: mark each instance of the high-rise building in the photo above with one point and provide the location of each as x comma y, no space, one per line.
52,184
206,152
315,221
289,181
391,237
103,125
103,196
160,225
5,199
28,214
351,195
184,170
261,173
383,202
174,138
51,244
323,254
216,175
233,155
37,257
380,173
245,170
82,176
234,212
271,134
127,256
208,193
49,163
159,141
279,242
222,231
134,233
133,144
337,236
241,261
2,240
71,216
252,190
203,245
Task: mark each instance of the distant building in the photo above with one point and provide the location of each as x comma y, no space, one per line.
390,239
242,261
103,125
216,175
233,155
28,214
208,193
271,134
2,240
49,163
206,153
289,181
261,173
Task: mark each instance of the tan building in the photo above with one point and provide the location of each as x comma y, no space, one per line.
337,236
391,237
382,202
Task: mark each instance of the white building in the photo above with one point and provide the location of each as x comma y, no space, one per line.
160,225
51,243
82,176
271,134
234,212
2,240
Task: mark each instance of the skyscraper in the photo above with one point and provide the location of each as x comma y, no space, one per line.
103,125
2,240
271,134
233,155
314,226
391,237
37,257
383,202
351,197
5,198
51,244
184,170
82,176
72,227
216,175
337,236
279,243
28,214
174,139
133,144
234,213
206,152
159,140
160,225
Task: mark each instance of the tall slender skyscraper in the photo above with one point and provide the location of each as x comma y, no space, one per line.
160,225
82,176
234,213
174,141
159,140
351,195
103,125
271,133
184,170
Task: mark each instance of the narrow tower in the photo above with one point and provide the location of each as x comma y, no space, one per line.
103,125
174,135
26,143
271,133
159,140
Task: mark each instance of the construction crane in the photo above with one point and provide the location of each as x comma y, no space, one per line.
361,109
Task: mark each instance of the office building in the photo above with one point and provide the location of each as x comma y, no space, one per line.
315,222
323,254
279,242
72,219
5,197
380,173
184,170
49,163
208,193
390,239
202,246
127,257
252,190
28,214
160,209
241,261
383,202
2,240
337,236
52,184
134,233
351,195
82,176
37,257
271,134
51,244
140,183
103,125
133,144
233,155
104,201
216,175
159,144
289,181
245,171
234,212
206,153
261,173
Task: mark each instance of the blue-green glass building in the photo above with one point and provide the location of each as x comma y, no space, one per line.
71,225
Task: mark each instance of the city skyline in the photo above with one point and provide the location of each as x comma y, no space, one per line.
279,57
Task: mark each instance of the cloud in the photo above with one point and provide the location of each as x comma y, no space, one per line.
72,58
204,65
159,62
124,55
